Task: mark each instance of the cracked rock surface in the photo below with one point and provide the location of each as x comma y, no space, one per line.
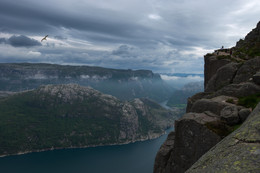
238,152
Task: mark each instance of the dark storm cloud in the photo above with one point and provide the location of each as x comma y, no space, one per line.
19,17
158,35
20,41
23,41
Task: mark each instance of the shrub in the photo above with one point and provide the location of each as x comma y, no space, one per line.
249,101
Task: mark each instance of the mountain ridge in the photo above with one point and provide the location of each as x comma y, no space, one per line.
124,84
73,116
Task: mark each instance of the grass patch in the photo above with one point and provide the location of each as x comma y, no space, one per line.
230,101
219,57
221,128
249,101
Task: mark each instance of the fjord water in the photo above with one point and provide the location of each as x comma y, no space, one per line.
130,158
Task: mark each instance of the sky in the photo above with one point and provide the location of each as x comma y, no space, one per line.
165,36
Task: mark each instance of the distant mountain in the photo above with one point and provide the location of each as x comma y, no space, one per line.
180,97
65,116
123,84
182,74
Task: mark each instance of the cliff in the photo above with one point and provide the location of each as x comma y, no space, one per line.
231,91
65,116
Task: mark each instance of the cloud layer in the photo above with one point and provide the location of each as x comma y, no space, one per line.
20,41
163,36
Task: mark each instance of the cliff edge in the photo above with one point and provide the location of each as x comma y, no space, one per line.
231,92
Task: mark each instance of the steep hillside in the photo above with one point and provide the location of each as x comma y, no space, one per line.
123,84
64,116
232,90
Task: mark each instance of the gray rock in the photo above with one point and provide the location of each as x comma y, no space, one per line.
222,77
212,64
230,115
163,154
194,98
239,90
247,70
192,140
256,78
238,152
214,105
243,114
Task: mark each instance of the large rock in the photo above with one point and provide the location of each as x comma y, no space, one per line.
239,152
222,77
239,90
243,114
230,115
164,154
256,78
192,140
214,105
247,70
212,64
194,98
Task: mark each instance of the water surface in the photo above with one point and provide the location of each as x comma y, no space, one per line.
130,158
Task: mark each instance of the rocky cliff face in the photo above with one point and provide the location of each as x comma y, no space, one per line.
230,79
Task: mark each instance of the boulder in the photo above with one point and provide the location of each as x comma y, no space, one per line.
163,154
239,90
214,105
192,140
230,115
247,70
243,114
212,64
238,152
194,98
223,77
256,78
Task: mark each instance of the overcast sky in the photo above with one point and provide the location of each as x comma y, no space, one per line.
169,36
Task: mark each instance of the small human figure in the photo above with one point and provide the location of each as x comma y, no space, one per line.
222,47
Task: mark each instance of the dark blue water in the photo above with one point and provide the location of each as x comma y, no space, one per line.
130,158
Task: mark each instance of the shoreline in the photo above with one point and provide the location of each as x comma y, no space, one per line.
149,137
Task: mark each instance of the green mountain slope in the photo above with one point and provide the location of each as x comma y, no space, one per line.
64,116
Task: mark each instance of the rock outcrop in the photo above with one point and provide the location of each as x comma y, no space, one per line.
214,114
238,152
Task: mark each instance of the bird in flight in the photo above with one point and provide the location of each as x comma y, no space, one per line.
44,38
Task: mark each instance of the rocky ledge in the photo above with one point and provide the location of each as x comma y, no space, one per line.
231,92
238,152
